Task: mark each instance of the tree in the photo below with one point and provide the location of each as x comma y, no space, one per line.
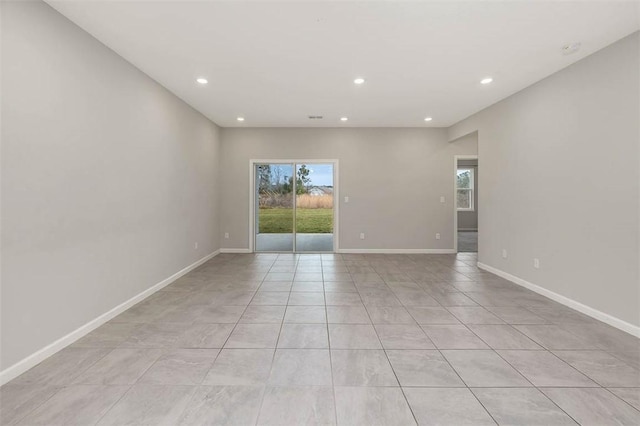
264,178
303,180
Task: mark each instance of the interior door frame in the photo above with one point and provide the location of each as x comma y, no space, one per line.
294,162
455,197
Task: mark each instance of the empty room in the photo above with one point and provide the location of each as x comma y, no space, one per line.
319,212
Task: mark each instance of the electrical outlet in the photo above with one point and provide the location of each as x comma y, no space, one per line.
346,199
437,236
442,198
362,235
226,235
536,263
195,246
504,253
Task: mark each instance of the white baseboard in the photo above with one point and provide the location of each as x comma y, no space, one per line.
397,251
235,250
587,310
34,359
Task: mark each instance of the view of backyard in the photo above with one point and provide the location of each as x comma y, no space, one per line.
314,203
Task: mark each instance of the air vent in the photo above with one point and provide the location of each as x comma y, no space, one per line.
315,117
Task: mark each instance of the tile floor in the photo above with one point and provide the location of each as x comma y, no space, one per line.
347,339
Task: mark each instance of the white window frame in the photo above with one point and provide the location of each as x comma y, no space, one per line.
471,190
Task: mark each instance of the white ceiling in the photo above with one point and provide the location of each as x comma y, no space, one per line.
275,63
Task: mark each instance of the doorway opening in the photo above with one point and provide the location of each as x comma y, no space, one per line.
466,205
293,208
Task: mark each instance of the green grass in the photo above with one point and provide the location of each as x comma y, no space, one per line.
309,221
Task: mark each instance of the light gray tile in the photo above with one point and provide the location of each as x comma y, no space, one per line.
553,337
180,367
280,276
513,406
16,401
263,314
275,286
62,368
379,298
630,395
484,369
301,367
219,314
423,368
109,335
340,287
119,367
593,406
205,336
271,298
361,368
305,315
372,406
218,405
306,298
453,299
308,276
348,315
304,336
343,299
630,358
307,286
336,276
446,407
542,368
403,336
415,298
298,406
158,335
605,369
240,367
453,337
517,315
253,336
149,405
353,336
76,405
474,315
432,315
503,337
390,315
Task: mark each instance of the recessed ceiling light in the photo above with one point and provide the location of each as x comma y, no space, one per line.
240,118
428,119
202,80
359,80
486,80
344,118
568,49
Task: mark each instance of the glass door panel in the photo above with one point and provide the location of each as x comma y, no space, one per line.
314,207
274,227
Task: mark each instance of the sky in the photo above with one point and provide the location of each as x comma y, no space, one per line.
320,174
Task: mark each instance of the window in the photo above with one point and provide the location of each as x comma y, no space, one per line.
465,187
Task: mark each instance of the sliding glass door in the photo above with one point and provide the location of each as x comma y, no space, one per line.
294,207
274,207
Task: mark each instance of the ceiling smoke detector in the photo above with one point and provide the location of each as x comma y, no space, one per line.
570,48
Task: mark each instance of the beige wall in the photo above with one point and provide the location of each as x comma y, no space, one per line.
107,180
560,181
393,177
